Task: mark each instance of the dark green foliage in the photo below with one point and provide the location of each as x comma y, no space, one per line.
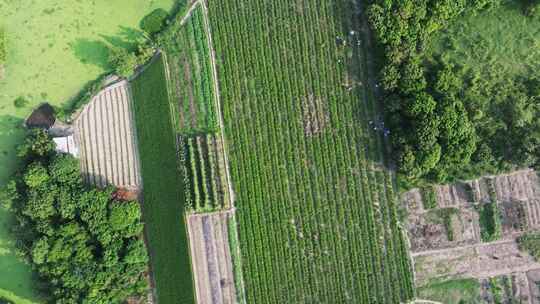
446,215
36,145
450,121
490,222
164,199
154,22
429,198
5,301
530,242
20,102
3,46
532,8
123,61
84,246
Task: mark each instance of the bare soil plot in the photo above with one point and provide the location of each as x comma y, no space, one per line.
475,261
517,196
106,136
428,230
211,258
533,277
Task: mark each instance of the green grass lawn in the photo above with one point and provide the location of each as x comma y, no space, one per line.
503,37
462,291
163,206
54,48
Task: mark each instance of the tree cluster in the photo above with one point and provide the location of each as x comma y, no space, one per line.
154,22
448,121
125,62
85,246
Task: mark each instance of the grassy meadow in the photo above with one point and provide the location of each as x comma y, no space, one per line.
501,38
163,209
54,47
466,291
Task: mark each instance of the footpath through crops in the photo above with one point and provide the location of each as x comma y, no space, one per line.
315,203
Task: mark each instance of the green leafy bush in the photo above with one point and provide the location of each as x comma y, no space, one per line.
85,246
154,22
490,222
20,102
429,198
123,61
530,242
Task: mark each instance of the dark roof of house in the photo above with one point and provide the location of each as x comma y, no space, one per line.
42,117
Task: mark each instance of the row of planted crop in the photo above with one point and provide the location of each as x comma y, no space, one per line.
254,61
206,183
194,91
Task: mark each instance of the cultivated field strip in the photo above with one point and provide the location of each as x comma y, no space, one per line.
205,167
193,91
106,135
210,251
316,207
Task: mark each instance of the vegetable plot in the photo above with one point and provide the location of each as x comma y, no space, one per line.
315,203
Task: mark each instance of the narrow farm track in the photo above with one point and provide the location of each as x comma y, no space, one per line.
106,135
213,271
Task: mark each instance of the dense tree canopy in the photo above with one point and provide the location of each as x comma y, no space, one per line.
85,246
449,121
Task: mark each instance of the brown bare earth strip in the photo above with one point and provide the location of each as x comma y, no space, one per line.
199,263
228,258
211,258
213,267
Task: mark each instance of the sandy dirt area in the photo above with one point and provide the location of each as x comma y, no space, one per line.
211,258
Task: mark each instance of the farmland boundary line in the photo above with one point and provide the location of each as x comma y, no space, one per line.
217,99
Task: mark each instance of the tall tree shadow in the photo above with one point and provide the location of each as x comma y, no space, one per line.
94,52
127,38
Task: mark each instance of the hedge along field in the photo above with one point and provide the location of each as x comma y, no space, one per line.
315,204
163,188
54,47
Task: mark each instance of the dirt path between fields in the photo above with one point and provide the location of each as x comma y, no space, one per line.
189,11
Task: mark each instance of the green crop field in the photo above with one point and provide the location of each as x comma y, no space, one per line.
163,190
315,202
191,75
